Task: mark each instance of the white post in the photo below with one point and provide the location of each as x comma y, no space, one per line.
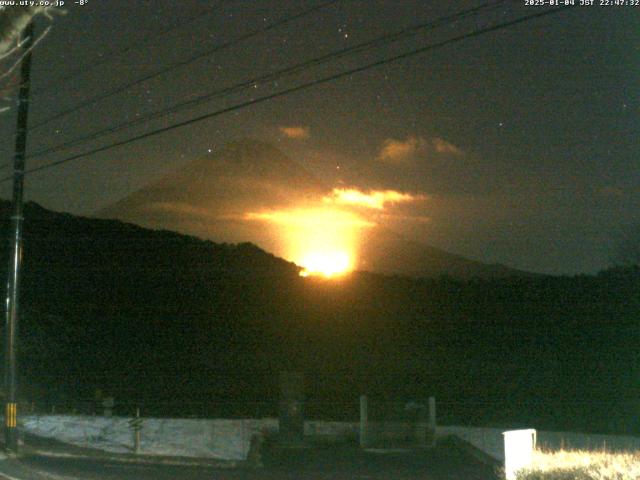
363,421
518,450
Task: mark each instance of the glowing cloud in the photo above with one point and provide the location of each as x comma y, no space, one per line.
312,218
398,150
442,146
374,199
322,240
300,133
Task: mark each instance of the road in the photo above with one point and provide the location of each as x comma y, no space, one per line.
445,462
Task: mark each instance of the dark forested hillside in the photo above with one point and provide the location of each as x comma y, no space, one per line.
158,317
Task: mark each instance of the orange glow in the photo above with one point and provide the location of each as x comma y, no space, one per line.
324,241
375,199
327,264
295,132
312,218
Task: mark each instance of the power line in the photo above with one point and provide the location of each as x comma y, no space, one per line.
273,76
303,86
181,64
134,46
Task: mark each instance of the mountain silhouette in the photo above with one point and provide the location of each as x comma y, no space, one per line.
210,197
388,253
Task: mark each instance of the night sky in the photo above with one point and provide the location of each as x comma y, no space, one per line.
520,143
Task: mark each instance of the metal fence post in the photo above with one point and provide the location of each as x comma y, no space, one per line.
136,425
432,422
364,419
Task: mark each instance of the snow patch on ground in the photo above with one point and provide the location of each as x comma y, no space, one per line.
214,439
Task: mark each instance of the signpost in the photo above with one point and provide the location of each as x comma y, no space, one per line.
291,424
135,424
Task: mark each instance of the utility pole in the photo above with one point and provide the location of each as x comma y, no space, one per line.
15,260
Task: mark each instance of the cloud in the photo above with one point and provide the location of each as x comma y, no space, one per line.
373,199
307,218
299,133
442,146
399,150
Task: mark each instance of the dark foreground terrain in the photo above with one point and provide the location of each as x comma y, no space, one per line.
182,327
444,462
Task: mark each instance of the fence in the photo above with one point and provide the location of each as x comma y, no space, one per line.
232,409
386,424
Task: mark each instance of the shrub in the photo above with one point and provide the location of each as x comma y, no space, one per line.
583,465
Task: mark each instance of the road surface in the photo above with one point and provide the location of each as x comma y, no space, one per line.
445,462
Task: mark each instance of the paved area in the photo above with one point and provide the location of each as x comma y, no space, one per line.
445,462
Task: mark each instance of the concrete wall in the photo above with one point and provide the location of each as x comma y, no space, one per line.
230,439
215,439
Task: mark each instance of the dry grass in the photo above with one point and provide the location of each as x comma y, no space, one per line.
583,465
